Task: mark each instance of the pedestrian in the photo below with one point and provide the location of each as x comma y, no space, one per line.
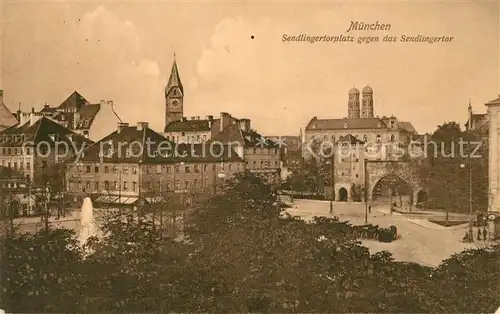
370,209
485,234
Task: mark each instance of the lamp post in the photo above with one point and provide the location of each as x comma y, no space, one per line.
470,195
365,170
332,196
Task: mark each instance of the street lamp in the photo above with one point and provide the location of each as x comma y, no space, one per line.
470,195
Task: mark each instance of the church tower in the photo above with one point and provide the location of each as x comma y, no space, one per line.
353,104
174,96
367,105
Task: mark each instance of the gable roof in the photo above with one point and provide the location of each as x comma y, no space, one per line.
75,100
7,119
407,126
188,125
494,102
41,131
350,139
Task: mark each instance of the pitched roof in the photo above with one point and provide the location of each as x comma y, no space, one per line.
87,115
234,134
407,126
43,130
189,125
159,149
7,119
290,141
75,100
338,124
174,79
494,102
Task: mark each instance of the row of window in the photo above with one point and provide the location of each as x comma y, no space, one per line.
189,138
158,169
392,138
265,164
88,186
16,151
17,165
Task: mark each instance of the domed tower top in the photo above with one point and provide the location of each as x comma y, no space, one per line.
367,90
354,91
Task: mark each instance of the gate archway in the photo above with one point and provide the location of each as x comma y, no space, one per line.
343,195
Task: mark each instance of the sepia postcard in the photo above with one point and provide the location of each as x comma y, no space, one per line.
249,156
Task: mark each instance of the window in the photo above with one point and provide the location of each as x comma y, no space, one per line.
254,150
87,185
365,138
106,185
169,186
186,184
96,169
183,133
158,169
357,175
21,165
276,163
106,169
134,170
197,138
357,160
125,169
204,138
393,137
169,169
187,169
88,169
115,186
378,138
195,183
196,168
79,168
15,165
96,186
177,168
205,167
206,182
79,185
134,186
115,169
125,185
230,167
177,185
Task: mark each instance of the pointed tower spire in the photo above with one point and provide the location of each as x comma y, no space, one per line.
469,126
175,79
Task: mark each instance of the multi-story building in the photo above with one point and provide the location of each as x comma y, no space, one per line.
262,155
135,162
94,121
7,118
37,150
364,127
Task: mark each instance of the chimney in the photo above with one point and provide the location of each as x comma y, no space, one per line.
224,120
184,119
245,124
121,125
142,126
197,117
210,118
32,119
32,109
102,102
110,103
192,118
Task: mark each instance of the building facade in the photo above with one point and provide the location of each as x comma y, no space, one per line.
123,168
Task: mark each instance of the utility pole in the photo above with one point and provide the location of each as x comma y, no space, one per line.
470,194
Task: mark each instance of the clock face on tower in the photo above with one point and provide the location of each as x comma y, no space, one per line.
175,103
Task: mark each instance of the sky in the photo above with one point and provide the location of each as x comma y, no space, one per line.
123,51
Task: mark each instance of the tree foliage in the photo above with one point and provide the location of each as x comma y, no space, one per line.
242,254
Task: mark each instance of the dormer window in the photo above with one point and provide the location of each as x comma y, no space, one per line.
379,125
345,126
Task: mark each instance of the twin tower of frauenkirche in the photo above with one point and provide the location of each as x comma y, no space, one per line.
353,108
